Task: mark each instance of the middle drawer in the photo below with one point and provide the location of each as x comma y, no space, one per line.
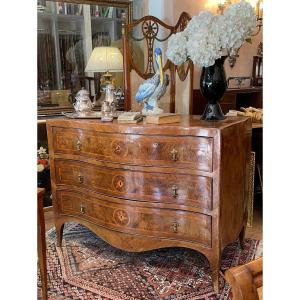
190,190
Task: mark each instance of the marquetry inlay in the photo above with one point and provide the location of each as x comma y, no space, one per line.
119,148
121,217
119,183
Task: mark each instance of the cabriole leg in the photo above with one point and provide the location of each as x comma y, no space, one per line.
59,232
215,264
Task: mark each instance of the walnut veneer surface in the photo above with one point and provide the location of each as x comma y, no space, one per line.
143,186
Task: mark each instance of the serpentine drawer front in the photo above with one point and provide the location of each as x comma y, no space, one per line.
165,223
144,186
181,189
179,152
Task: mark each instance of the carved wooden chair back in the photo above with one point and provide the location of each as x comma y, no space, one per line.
152,32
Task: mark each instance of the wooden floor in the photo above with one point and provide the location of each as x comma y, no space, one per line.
254,232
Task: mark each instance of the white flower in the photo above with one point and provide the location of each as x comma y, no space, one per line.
208,37
200,24
42,152
203,46
240,21
177,51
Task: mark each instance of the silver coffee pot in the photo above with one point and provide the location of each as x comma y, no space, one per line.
83,102
108,107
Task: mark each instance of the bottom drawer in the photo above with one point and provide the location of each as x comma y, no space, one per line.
126,216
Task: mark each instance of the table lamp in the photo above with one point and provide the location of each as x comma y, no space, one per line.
105,59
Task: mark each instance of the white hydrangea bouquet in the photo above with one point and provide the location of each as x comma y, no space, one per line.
209,37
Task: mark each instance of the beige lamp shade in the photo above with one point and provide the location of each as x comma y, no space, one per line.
105,59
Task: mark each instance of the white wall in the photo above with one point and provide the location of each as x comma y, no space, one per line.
156,8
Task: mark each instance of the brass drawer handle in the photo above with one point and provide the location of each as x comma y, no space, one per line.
82,208
174,153
174,190
78,145
175,226
80,178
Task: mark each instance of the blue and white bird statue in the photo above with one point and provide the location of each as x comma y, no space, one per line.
151,90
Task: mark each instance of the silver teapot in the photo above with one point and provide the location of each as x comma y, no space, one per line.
83,102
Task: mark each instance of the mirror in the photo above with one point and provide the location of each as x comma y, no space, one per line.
67,32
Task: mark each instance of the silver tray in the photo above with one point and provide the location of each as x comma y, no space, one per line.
87,115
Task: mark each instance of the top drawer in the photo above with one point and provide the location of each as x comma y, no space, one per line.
180,152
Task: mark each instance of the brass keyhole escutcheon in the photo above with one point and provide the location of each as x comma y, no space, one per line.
80,178
120,184
174,153
175,226
121,216
174,190
78,145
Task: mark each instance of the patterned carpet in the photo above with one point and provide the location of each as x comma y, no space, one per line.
87,268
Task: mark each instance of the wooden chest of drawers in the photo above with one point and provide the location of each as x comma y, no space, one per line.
143,187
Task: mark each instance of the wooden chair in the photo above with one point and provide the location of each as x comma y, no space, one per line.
41,241
246,281
151,31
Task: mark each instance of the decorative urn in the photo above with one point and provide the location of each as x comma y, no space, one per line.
83,103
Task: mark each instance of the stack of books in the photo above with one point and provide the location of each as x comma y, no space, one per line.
165,118
130,117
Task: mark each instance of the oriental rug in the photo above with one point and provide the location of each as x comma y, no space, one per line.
87,268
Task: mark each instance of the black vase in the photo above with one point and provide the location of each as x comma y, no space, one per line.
213,85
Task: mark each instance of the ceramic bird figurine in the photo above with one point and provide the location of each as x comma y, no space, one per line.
151,90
